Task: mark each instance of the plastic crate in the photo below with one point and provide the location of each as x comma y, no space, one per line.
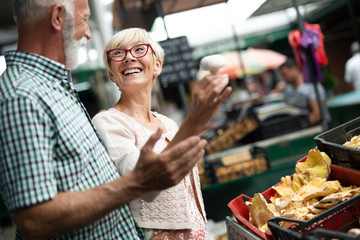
257,162
237,232
241,212
325,234
339,218
345,175
282,124
231,135
332,142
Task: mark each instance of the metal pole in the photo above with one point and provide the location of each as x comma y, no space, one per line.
160,13
311,65
353,20
238,49
181,88
237,44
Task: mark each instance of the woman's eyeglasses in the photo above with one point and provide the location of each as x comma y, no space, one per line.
137,51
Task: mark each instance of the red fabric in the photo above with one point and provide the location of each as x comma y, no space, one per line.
319,50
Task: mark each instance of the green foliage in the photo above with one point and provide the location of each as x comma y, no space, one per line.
330,82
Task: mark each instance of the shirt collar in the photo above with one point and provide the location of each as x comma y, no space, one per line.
39,65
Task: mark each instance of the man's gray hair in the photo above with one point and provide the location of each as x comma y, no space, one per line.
33,10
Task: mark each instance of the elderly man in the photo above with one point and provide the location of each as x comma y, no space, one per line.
56,177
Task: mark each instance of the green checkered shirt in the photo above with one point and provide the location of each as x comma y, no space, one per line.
49,145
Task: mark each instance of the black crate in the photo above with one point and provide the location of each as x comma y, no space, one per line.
331,142
257,164
343,216
326,234
282,124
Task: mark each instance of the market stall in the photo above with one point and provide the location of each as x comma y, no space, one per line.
283,151
344,107
317,199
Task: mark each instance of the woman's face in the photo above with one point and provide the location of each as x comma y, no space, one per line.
134,72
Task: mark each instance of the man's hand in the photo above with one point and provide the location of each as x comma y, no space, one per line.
160,171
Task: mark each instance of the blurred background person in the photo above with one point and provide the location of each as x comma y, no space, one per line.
271,82
302,95
352,66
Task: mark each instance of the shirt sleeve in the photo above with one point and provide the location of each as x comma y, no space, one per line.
310,92
347,76
26,150
119,142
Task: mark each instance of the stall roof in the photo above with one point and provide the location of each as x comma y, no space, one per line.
277,5
8,32
175,6
142,13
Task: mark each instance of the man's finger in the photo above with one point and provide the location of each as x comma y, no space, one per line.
182,148
189,159
192,151
149,145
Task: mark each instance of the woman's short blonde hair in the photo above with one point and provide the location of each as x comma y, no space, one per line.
132,36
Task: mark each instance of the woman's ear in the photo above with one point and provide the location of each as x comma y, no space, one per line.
158,67
111,76
58,17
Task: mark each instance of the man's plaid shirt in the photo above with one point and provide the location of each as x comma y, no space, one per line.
49,145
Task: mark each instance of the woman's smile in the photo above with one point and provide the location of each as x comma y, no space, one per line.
131,71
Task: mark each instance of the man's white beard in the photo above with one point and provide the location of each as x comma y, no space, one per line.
71,46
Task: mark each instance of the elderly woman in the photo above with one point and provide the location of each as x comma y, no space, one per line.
134,61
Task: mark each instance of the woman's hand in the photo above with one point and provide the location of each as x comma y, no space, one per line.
207,97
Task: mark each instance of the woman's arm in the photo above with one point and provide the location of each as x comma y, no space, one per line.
207,97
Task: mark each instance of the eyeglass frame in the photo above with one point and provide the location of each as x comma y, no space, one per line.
129,50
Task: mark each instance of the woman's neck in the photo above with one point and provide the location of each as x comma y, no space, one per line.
140,110
138,107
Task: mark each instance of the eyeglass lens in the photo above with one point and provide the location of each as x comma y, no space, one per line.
136,51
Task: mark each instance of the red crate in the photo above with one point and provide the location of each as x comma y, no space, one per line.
240,210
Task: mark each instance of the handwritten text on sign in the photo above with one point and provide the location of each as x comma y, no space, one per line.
178,66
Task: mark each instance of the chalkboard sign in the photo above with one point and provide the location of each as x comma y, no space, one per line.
178,66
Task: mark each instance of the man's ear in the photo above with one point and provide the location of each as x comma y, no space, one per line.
58,17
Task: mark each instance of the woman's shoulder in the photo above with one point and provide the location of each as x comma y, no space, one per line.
166,120
110,116
101,116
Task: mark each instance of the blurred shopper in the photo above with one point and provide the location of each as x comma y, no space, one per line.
352,66
134,61
302,95
271,82
56,177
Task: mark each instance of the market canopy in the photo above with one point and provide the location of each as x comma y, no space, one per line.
142,13
270,6
251,61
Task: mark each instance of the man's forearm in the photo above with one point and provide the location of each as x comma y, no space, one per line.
70,211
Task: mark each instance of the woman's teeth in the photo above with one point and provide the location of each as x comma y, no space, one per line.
129,71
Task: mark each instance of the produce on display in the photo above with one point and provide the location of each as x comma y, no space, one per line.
305,194
354,142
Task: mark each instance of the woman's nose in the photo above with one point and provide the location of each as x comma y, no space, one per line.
129,57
